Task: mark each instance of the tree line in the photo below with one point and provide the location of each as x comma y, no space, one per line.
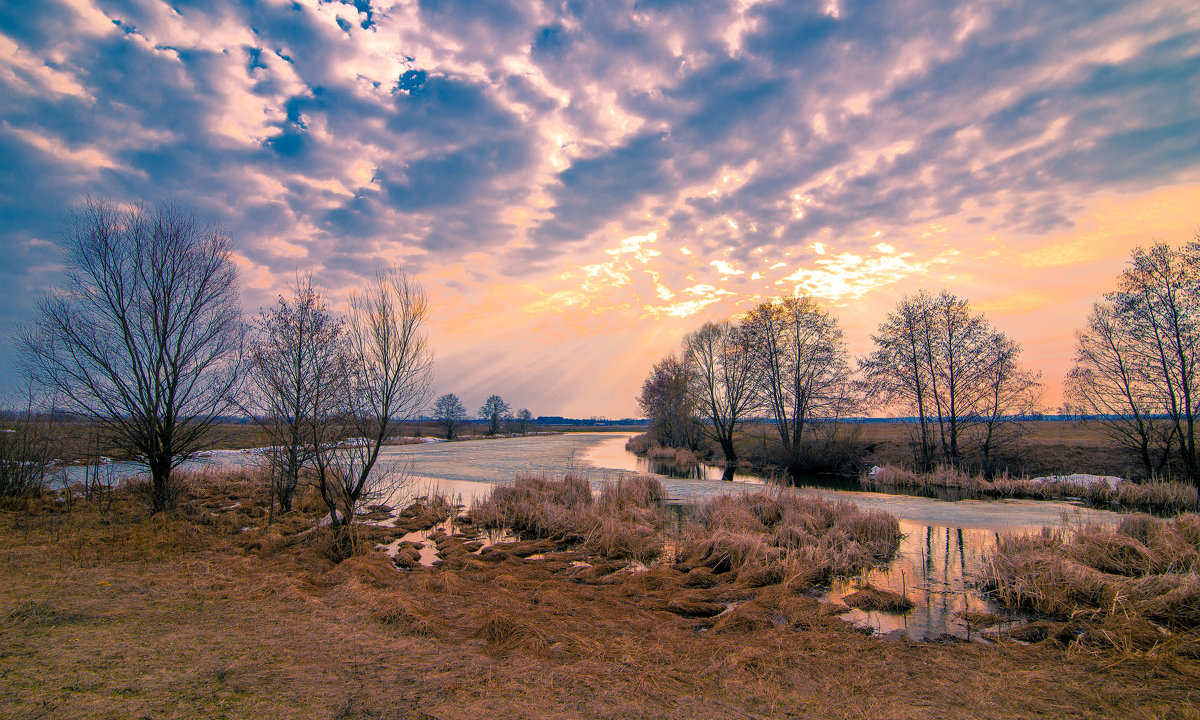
145,337
786,361
449,413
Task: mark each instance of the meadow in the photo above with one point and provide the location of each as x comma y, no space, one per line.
608,605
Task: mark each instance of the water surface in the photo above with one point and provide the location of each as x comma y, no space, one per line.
939,561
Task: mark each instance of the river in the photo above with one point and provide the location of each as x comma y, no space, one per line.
940,557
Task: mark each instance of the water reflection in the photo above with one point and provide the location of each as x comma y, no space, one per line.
939,559
938,569
941,556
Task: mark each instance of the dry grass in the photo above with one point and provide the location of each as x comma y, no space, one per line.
1113,581
762,538
1154,496
869,597
189,619
1051,447
645,445
785,537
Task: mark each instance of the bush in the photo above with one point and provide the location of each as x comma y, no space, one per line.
26,456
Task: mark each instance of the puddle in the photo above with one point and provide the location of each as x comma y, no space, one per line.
938,569
426,546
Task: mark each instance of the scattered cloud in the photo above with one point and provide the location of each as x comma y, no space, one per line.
611,175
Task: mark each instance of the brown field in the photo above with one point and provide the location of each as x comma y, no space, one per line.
118,614
1050,447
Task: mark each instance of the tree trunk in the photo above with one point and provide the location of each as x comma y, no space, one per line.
161,497
727,449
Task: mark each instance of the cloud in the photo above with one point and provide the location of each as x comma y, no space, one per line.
510,152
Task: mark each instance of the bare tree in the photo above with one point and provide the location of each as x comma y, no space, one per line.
1139,353
1111,382
670,405
722,380
801,365
27,445
895,372
145,335
298,354
494,412
524,417
1158,295
449,412
937,357
389,370
1009,393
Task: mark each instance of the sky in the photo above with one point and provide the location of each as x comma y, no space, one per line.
577,185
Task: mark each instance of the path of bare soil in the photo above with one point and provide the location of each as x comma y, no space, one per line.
126,616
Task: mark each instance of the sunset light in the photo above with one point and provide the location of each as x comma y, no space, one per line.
572,182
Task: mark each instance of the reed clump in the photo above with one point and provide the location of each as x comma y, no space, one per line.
640,444
620,524
1146,569
868,597
779,536
645,445
1153,495
756,539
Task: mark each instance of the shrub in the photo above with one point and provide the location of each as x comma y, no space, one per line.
26,456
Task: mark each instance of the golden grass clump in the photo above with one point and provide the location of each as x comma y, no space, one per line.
658,452
534,504
620,525
1156,495
632,491
1110,551
640,444
1119,579
1178,607
757,539
869,597
503,634
769,538
725,550
683,456
615,538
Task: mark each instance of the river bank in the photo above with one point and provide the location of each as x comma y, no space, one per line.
109,612
940,559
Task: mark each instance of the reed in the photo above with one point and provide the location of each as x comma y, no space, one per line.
1154,495
868,597
1145,568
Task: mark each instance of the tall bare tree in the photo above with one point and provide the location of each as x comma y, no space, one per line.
524,417
896,373
722,380
801,365
937,357
1111,382
1139,353
1159,295
389,372
1009,392
298,355
145,334
668,401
